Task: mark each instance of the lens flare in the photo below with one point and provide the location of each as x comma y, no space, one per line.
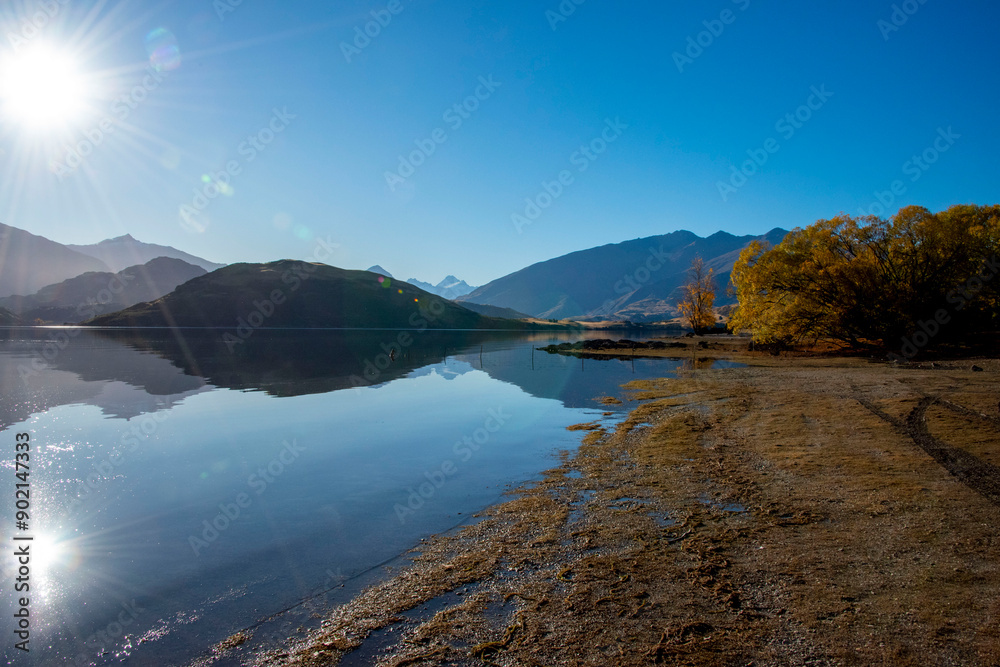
164,53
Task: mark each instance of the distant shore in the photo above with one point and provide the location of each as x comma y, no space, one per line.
801,508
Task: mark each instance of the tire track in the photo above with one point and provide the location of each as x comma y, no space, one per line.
978,475
972,414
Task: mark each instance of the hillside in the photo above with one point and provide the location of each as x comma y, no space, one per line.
97,292
124,251
8,318
30,262
636,280
291,294
494,311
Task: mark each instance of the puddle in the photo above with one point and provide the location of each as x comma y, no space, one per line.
577,512
663,519
381,640
723,506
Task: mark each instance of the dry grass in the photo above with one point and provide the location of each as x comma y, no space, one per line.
588,426
794,512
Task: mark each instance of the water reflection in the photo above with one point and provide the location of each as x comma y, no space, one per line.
294,363
194,488
127,374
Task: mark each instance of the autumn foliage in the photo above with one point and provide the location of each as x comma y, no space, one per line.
868,281
698,298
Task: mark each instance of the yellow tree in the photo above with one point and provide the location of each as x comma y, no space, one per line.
698,297
864,281
759,306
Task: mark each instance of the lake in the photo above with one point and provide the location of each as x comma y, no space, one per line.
182,489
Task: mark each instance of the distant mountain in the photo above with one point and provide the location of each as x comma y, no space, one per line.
636,280
29,262
379,270
450,288
124,251
285,294
97,292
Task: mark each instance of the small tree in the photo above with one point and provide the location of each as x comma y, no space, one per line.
698,296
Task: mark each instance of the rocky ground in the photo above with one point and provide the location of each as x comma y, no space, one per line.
799,511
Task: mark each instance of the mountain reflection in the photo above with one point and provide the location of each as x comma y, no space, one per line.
294,363
128,373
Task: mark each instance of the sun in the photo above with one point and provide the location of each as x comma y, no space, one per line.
41,88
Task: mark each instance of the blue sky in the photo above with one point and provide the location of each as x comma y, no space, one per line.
552,87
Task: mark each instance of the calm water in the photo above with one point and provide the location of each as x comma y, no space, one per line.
181,491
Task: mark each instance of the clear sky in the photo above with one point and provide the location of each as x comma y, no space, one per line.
310,128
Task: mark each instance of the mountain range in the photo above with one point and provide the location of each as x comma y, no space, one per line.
29,262
95,292
449,288
124,251
638,280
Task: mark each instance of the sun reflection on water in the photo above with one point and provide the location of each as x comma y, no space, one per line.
53,559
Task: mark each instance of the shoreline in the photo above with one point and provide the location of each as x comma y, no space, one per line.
785,512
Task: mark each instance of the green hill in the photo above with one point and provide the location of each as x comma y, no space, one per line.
294,294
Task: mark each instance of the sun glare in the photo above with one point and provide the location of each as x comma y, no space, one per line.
41,88
51,556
